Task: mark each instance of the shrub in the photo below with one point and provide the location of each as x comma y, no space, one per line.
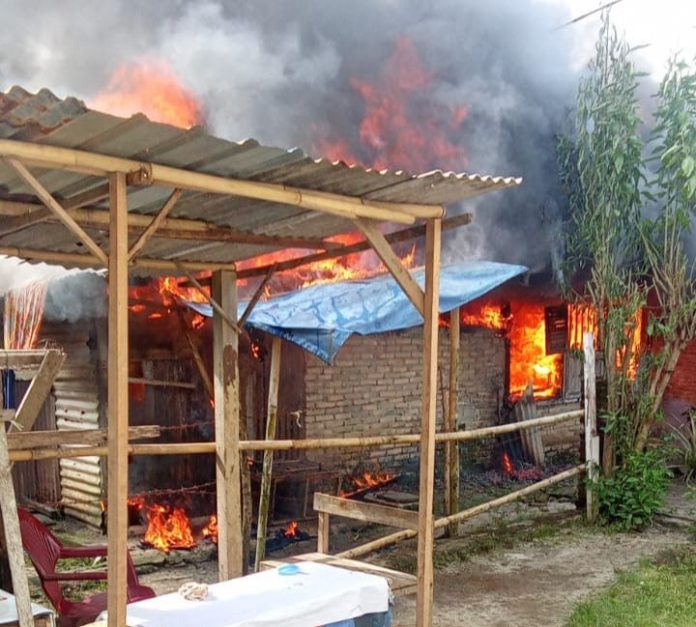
630,496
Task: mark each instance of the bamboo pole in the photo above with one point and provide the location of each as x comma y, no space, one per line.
231,558
143,173
198,448
256,297
392,538
591,436
90,261
425,575
117,437
197,357
452,447
265,490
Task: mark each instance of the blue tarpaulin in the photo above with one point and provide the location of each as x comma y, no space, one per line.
321,318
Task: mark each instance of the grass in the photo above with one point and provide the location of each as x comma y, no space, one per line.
659,593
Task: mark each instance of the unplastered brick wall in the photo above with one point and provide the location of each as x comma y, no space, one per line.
375,387
683,383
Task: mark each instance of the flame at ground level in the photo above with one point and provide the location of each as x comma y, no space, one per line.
367,481
168,528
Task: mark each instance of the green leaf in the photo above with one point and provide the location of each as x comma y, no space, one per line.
687,166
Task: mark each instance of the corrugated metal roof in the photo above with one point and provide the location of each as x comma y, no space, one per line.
43,118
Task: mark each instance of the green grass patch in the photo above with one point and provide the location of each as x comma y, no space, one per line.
659,593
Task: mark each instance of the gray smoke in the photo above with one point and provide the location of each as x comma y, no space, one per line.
280,72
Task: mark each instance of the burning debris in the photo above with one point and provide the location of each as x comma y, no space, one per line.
363,483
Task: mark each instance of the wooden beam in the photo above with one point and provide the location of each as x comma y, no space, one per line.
59,211
366,512
228,472
398,236
389,258
38,391
13,538
592,460
90,261
22,441
197,357
452,448
117,461
162,383
323,532
171,228
155,174
424,595
255,298
155,224
267,473
20,359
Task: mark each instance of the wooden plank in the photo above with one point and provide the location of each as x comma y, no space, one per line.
366,512
228,472
424,597
452,448
13,538
38,390
400,583
59,211
23,440
16,359
389,258
323,532
398,236
271,417
591,435
155,224
165,384
117,462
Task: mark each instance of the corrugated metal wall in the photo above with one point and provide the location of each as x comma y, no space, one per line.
38,480
77,406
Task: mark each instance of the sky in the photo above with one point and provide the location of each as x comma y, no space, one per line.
667,26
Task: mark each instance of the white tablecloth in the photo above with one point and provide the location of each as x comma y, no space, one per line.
318,595
8,610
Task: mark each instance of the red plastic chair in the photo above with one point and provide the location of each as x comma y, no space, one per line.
44,551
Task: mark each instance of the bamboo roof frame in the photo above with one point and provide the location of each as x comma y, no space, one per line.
120,174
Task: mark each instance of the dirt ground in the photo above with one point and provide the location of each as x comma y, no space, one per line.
526,565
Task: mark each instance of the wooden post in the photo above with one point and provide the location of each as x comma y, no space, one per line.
424,597
452,448
117,436
323,525
591,435
13,539
231,559
271,416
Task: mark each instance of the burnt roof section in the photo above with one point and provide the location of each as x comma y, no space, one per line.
42,118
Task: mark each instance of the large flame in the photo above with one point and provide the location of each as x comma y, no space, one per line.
168,528
402,126
210,531
149,86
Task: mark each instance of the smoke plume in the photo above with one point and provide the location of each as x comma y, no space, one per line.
286,74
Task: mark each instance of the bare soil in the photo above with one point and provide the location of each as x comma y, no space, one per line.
527,565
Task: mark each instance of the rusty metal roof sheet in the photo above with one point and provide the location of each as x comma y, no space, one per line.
45,119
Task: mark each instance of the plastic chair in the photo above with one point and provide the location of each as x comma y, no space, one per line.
45,550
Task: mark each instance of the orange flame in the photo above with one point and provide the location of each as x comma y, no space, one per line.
291,530
210,530
168,529
507,466
367,481
149,86
402,127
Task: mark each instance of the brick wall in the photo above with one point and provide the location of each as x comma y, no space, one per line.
683,383
374,388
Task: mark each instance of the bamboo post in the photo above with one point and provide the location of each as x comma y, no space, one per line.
13,539
591,435
452,447
424,595
265,491
117,435
231,559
